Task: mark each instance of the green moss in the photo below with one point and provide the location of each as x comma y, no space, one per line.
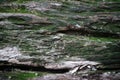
101,39
14,9
16,20
78,49
105,50
48,27
25,46
22,76
17,75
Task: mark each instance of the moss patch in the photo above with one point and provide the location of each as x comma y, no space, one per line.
18,75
